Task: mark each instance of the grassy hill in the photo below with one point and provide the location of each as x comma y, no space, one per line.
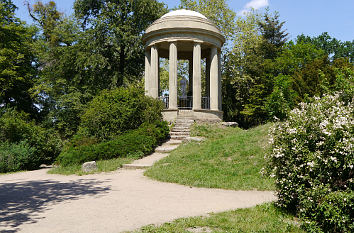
229,158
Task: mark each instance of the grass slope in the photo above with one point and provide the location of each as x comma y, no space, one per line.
262,218
230,158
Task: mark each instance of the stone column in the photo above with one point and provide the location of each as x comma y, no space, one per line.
214,80
154,73
197,85
147,72
173,76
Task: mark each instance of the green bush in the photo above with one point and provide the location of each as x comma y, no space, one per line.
281,100
16,157
114,112
16,127
142,140
314,149
323,210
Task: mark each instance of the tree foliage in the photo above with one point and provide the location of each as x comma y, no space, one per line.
114,112
114,29
250,69
274,37
333,47
99,48
16,69
266,77
217,11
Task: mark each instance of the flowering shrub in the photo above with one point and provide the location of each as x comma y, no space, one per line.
313,149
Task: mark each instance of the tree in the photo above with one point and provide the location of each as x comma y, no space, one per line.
262,68
48,18
100,48
17,72
240,65
274,37
333,47
306,71
217,11
250,70
113,29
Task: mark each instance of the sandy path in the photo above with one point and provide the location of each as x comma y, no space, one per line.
108,202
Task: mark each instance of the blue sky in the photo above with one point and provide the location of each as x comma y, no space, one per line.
311,17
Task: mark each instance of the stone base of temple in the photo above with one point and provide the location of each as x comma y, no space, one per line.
170,115
201,115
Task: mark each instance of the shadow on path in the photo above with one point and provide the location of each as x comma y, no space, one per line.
21,202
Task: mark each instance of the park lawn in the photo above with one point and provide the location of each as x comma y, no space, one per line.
262,218
102,166
229,158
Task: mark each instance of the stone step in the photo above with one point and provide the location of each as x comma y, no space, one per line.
182,113
173,142
180,130
185,118
181,127
187,125
184,121
179,133
165,148
178,137
135,166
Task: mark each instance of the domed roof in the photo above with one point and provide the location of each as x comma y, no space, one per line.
184,12
184,26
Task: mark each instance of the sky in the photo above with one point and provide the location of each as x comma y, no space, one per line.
309,17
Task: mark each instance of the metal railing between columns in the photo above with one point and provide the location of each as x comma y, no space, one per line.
186,102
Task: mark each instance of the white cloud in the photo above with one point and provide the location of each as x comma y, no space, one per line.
253,4
256,4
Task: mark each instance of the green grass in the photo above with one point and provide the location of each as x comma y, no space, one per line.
102,166
262,218
230,158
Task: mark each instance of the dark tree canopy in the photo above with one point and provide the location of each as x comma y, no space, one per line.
114,28
99,48
274,37
16,69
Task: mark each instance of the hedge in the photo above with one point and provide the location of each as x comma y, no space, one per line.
142,140
17,157
18,131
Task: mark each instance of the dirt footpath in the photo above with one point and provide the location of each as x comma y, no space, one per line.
108,202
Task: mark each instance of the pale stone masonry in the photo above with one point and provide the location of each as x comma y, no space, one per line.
197,82
173,76
187,35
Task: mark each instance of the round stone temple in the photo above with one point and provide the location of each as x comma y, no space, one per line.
189,36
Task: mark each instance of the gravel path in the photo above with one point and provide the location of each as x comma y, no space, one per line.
108,202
